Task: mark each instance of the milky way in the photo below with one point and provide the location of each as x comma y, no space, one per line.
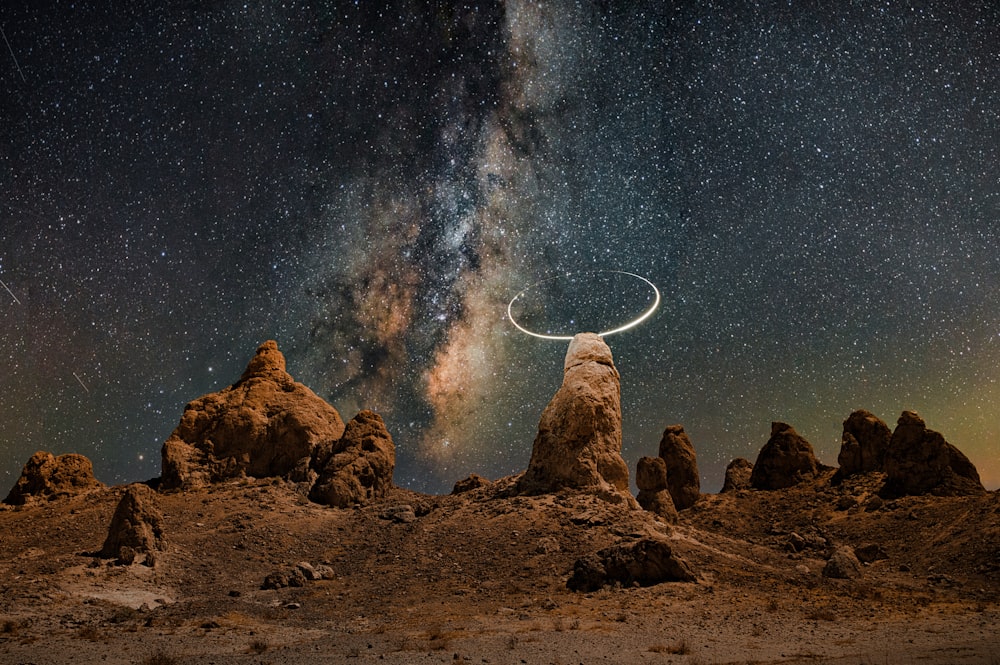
813,188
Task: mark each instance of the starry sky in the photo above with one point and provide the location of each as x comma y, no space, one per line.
812,186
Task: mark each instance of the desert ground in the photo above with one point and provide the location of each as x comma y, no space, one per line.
481,577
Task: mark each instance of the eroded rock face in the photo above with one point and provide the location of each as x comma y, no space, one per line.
785,460
46,476
579,439
645,562
863,444
263,425
137,524
683,480
737,475
651,479
358,467
920,461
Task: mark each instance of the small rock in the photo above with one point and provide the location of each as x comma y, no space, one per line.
308,571
402,514
870,553
843,564
846,502
472,482
293,606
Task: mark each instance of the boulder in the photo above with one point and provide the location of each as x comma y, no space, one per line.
645,562
651,479
920,461
863,444
683,480
46,476
357,468
785,460
737,475
579,439
265,424
472,482
137,525
842,564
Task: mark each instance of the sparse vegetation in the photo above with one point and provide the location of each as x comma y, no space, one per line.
159,658
821,614
259,646
677,648
89,633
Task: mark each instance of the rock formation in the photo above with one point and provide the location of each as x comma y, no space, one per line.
737,475
358,467
263,425
863,444
651,479
683,480
137,524
920,461
785,460
645,562
46,476
579,439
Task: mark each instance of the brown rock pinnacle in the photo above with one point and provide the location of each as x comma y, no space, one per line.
579,439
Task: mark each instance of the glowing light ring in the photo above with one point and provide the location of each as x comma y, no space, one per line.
631,324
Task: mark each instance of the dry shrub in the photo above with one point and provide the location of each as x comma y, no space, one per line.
159,658
259,646
678,648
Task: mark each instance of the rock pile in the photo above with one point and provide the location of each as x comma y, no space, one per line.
46,476
267,424
579,439
651,479
920,461
863,444
785,460
136,527
683,480
645,562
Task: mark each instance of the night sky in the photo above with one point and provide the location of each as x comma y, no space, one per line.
813,187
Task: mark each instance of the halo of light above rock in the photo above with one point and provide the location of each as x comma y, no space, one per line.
645,314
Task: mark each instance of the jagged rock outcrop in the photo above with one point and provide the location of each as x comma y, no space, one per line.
645,562
863,444
785,460
137,525
46,476
579,439
263,425
683,480
737,475
920,461
651,479
358,467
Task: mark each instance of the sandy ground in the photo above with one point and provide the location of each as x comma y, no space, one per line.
481,578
